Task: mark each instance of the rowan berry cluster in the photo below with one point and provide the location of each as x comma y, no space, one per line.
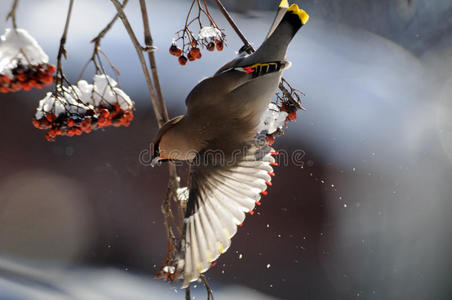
274,120
23,63
209,37
25,77
79,109
291,110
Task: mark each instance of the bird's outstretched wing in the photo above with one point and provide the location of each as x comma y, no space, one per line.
220,195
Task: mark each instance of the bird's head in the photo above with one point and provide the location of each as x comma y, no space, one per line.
169,143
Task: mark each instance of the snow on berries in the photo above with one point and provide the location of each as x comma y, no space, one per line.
275,119
272,120
84,107
23,63
209,37
291,110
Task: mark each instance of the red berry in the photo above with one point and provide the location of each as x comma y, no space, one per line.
70,123
21,77
36,124
49,138
292,116
70,132
104,112
269,139
47,78
182,60
50,69
194,43
219,45
52,133
191,57
174,50
211,46
51,117
85,123
5,79
195,52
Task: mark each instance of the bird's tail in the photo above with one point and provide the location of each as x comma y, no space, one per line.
288,20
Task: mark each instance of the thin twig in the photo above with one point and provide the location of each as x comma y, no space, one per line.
149,44
104,31
208,289
234,25
12,14
187,293
96,41
174,183
139,51
160,113
250,50
59,76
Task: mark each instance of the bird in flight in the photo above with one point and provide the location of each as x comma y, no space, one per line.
230,167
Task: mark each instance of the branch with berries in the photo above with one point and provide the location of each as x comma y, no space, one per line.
23,63
209,36
81,108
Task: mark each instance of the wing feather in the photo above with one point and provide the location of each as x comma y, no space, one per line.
218,200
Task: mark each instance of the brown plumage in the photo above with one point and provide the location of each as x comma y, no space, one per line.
230,166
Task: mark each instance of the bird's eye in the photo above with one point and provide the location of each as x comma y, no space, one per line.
156,150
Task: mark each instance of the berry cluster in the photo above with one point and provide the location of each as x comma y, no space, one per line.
25,77
83,108
290,109
23,63
274,120
209,37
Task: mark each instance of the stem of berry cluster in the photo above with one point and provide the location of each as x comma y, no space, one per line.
12,14
234,26
62,51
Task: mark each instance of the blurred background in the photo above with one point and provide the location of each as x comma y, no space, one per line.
368,216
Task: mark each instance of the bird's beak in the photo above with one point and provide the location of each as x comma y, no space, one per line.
155,160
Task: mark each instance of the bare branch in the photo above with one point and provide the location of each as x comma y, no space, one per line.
139,51
187,293
208,289
12,14
59,76
149,44
104,31
96,48
234,25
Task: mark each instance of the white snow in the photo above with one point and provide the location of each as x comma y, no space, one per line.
64,102
272,119
182,194
169,269
19,45
77,99
209,32
103,90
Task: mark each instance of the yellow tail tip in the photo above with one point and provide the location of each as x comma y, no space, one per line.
284,4
304,17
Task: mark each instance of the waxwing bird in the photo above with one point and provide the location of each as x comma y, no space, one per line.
230,166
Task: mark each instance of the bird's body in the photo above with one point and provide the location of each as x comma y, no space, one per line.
230,167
